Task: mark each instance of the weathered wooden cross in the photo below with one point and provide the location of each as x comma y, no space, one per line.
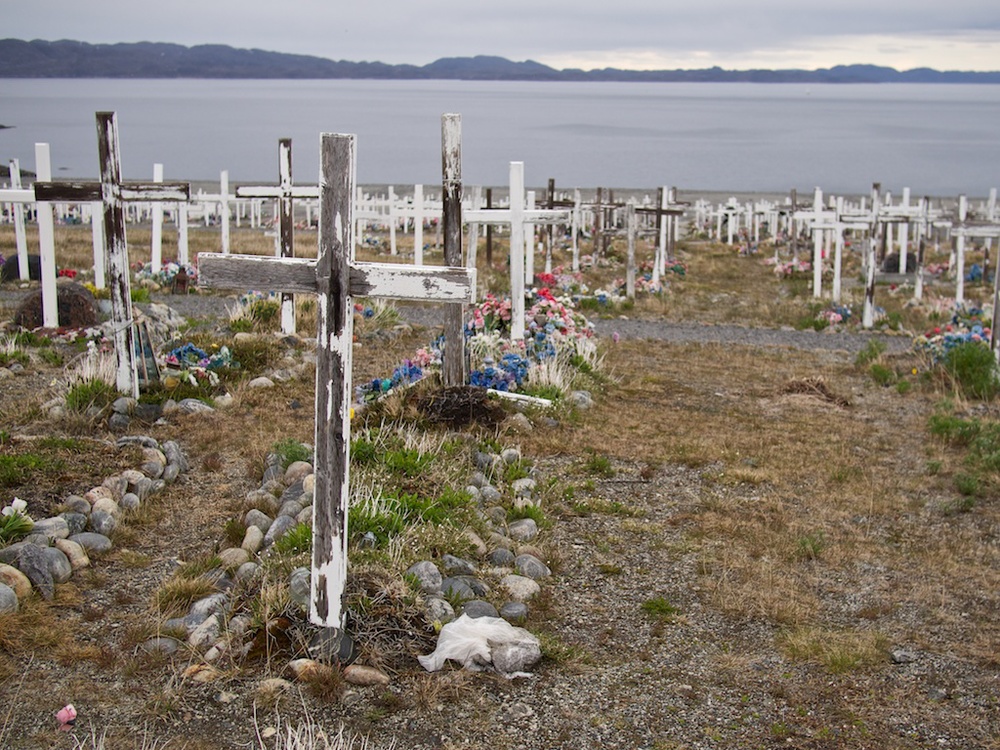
222,199
335,278
517,216
17,197
114,193
285,193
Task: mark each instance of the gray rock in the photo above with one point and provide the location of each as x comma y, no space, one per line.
486,462
54,528
428,575
233,557
193,406
205,634
253,537
523,487
75,522
119,422
902,656
76,504
211,604
174,455
160,644
261,382
501,557
259,519
148,413
290,508
531,567
152,469
117,484
496,515
39,540
457,588
523,529
514,612
144,488
520,588
281,526
34,563
520,422
512,657
479,608
490,494
123,405
92,542
510,455
581,399
59,565
130,501
143,441
76,554
102,522
305,516
296,489
171,472
8,599
439,610
298,585
263,499
456,566
478,479
273,472
474,493
297,471
248,571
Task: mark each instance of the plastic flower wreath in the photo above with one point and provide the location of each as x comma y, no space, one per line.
968,325
197,366
15,521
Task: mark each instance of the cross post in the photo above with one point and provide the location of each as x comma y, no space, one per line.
335,278
285,193
114,193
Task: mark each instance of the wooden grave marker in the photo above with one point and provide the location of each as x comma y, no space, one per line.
114,193
517,217
17,197
335,278
285,193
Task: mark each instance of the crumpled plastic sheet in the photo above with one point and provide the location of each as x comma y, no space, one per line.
479,643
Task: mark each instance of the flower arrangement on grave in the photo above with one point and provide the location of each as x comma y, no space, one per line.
834,315
968,324
146,276
67,273
935,269
407,373
492,314
789,268
192,365
15,521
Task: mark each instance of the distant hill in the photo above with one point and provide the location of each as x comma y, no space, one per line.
69,59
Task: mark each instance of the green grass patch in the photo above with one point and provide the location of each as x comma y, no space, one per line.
90,393
659,608
973,370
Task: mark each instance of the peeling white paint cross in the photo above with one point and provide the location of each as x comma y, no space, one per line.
113,193
335,278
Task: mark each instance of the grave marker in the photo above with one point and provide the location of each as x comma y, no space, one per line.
285,194
517,216
114,193
17,197
335,278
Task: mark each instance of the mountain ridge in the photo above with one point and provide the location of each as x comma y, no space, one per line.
72,59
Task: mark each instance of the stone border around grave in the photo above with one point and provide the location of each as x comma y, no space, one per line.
60,545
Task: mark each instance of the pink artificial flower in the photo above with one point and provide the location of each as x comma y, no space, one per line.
66,716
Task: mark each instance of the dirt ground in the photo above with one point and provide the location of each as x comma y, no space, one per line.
816,590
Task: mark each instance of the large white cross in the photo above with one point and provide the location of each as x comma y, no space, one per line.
285,193
517,216
335,278
114,193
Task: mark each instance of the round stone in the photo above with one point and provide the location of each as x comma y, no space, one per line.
501,557
233,557
439,610
531,567
428,576
8,599
479,608
76,554
129,501
18,581
59,565
102,523
514,612
92,542
54,528
523,529
520,588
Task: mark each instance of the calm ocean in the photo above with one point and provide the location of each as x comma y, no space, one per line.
936,139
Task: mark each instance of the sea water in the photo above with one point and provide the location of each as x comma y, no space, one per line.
936,139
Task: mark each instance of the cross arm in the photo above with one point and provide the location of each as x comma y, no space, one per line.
17,195
298,275
81,192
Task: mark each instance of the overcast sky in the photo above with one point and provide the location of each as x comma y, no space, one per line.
637,34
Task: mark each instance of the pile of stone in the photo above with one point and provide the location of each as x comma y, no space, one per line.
62,544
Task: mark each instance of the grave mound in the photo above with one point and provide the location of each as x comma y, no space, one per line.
460,405
76,305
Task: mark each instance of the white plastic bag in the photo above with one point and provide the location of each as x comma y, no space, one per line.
471,641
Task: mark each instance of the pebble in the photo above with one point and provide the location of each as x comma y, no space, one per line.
501,557
102,523
310,670
514,612
205,634
297,471
75,522
510,455
253,538
258,519
298,584
246,572
76,504
261,382
34,563
281,526
130,501
456,566
160,644
106,505
439,610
